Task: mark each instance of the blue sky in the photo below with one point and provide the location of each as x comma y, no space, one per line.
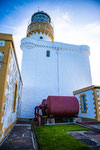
75,22
90,9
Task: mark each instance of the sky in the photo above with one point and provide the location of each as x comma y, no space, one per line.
74,22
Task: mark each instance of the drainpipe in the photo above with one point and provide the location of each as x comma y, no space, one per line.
57,52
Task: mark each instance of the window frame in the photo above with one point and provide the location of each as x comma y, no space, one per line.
48,53
81,103
15,97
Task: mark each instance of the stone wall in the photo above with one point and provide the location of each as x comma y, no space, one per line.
10,87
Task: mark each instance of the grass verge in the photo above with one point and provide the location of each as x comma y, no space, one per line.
56,137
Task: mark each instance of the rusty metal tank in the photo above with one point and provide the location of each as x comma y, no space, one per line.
62,106
44,107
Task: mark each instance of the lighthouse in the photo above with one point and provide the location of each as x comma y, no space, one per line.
40,27
48,67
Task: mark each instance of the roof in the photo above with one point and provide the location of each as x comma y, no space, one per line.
41,12
86,89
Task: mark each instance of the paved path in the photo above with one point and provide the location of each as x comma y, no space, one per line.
20,138
90,138
94,125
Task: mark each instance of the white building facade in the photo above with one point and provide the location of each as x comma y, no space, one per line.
48,67
10,86
89,102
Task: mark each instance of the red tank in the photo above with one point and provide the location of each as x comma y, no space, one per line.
44,106
62,106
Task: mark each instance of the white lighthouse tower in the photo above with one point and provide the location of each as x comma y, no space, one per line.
48,67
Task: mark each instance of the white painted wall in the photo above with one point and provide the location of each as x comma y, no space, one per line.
12,77
38,35
66,70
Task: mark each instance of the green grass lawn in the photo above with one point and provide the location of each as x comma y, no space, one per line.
55,137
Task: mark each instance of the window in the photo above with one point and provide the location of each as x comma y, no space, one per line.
41,37
48,53
83,103
1,56
15,96
1,59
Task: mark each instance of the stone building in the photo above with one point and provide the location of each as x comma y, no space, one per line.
10,85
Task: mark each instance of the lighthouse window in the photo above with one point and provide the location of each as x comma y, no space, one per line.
48,53
41,37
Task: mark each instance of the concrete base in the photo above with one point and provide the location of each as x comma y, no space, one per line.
77,120
50,120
